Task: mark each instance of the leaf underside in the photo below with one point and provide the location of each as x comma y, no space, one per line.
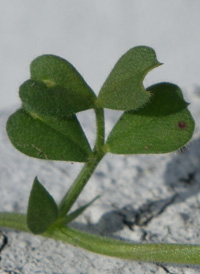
161,126
123,89
42,209
48,138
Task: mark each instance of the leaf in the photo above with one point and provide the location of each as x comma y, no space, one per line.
53,101
46,127
161,126
123,89
42,209
48,138
73,215
56,88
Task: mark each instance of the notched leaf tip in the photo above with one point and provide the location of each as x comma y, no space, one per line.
123,88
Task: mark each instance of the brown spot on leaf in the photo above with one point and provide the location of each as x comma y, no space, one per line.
182,124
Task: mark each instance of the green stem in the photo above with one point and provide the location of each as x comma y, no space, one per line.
86,172
78,185
157,253
14,221
100,128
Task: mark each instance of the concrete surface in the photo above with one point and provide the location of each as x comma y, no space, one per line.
154,198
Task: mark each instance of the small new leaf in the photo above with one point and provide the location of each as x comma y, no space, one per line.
163,125
73,215
42,209
123,89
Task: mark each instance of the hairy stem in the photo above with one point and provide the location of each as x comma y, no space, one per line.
157,253
100,130
86,172
78,185
14,221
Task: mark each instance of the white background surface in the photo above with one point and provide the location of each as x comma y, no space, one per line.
93,34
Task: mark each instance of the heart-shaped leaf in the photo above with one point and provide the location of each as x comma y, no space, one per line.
48,138
66,91
163,125
123,89
42,209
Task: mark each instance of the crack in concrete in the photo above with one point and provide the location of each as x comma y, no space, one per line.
164,268
144,214
4,241
144,235
5,271
189,179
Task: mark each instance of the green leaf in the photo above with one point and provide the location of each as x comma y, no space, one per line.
48,138
161,126
56,88
53,101
42,209
73,215
123,89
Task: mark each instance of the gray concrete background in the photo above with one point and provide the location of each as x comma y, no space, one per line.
92,35
152,198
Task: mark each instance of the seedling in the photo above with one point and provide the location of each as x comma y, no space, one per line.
154,120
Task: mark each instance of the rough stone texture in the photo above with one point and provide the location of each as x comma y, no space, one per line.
154,198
